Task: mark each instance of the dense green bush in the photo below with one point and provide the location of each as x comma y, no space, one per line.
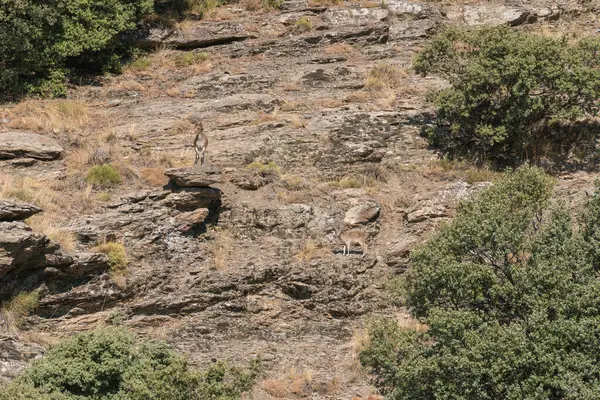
510,92
103,175
111,364
510,294
41,42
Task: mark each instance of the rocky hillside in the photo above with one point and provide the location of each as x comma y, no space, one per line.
313,116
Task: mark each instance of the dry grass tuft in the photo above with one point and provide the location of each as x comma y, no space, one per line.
17,308
292,86
298,122
330,103
453,170
50,116
264,117
384,76
48,223
309,251
323,3
338,48
154,176
220,248
299,384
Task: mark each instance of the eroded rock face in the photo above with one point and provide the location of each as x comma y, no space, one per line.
204,35
485,15
11,210
198,176
28,145
14,356
21,249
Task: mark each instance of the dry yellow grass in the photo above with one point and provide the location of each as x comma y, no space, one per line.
338,48
309,251
263,117
130,84
48,224
154,176
297,122
292,86
297,384
220,248
330,103
50,116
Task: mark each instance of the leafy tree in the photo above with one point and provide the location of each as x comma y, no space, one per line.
510,294
111,364
510,91
42,41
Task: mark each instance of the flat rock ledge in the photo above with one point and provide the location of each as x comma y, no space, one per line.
28,145
17,210
202,176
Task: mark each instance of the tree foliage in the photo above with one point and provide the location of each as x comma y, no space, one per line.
112,364
510,294
41,42
510,91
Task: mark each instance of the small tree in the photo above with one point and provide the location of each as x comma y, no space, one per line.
510,294
510,90
42,41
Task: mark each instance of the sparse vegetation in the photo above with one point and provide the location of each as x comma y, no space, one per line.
117,257
453,169
112,363
103,175
354,181
19,307
309,251
304,24
512,93
50,116
186,59
384,76
269,169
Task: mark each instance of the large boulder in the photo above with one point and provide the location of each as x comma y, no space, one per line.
11,210
202,176
485,15
362,213
30,145
15,355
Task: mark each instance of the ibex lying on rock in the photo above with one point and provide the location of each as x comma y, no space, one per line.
354,236
200,141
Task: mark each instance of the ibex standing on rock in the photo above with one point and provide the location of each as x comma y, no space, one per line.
200,141
354,236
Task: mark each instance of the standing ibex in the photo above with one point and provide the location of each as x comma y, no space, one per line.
200,141
354,236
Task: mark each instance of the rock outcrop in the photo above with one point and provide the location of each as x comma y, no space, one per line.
11,210
200,176
28,145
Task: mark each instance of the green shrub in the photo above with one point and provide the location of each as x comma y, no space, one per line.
41,43
511,94
271,168
303,24
190,58
112,364
273,4
103,175
510,294
117,257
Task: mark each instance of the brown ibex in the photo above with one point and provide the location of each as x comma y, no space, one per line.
354,236
200,141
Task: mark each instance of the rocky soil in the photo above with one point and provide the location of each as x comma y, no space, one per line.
239,258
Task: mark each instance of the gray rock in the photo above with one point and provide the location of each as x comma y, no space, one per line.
354,16
200,176
28,144
11,210
203,35
412,29
21,249
14,356
88,264
404,8
485,14
193,198
426,212
362,213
